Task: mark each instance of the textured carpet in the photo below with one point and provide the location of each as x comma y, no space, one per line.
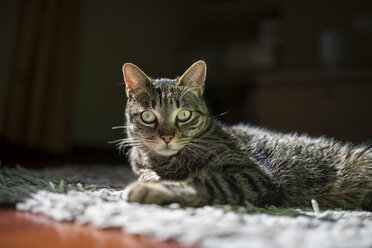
18,183
208,226
94,195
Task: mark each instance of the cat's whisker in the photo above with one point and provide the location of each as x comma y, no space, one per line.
128,152
119,127
123,140
122,147
221,114
122,144
115,141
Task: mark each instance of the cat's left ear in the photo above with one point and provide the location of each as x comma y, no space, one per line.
135,79
194,77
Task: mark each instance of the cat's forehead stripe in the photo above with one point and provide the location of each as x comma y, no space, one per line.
159,93
163,81
164,95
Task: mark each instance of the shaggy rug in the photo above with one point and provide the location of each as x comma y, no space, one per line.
86,196
18,183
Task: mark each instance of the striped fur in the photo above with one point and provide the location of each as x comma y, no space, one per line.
207,162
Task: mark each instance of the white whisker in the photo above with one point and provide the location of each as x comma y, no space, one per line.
119,127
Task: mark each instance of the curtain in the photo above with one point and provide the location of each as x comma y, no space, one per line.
39,102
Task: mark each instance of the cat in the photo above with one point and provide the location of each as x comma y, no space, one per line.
182,155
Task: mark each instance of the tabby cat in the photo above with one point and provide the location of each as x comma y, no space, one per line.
181,154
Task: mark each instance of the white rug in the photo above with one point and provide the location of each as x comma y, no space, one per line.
207,226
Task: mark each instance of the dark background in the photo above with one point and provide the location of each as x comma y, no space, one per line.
303,66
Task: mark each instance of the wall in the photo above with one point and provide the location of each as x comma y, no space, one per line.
145,33
113,33
8,23
154,35
304,20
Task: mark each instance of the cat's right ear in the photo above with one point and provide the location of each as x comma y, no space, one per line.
134,78
194,77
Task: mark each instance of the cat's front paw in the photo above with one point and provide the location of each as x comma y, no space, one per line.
149,193
149,177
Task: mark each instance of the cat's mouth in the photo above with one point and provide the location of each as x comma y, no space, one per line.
167,150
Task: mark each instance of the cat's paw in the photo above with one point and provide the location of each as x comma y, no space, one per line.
149,177
149,193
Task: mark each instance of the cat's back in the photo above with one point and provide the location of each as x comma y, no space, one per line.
257,139
305,167
274,149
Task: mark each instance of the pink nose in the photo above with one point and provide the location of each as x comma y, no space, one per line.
166,138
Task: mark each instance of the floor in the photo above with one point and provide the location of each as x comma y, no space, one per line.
27,230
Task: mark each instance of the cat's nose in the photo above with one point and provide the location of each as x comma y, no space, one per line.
166,138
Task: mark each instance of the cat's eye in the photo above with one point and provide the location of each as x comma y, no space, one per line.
184,115
148,117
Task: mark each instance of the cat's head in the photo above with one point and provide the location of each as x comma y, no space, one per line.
165,115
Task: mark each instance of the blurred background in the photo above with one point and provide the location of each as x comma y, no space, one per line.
303,66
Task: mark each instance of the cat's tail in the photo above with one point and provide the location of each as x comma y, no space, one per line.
367,202
354,182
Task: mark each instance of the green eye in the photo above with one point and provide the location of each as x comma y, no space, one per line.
184,115
148,117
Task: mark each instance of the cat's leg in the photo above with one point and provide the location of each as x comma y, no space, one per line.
148,176
232,185
162,193
145,174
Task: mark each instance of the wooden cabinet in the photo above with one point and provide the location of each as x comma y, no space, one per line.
337,104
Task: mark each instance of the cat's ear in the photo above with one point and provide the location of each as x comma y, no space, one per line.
194,77
134,78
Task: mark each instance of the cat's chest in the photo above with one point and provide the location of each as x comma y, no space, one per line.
173,168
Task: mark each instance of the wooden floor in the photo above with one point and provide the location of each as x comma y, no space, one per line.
26,230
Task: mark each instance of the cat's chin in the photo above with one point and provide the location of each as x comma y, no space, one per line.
166,151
